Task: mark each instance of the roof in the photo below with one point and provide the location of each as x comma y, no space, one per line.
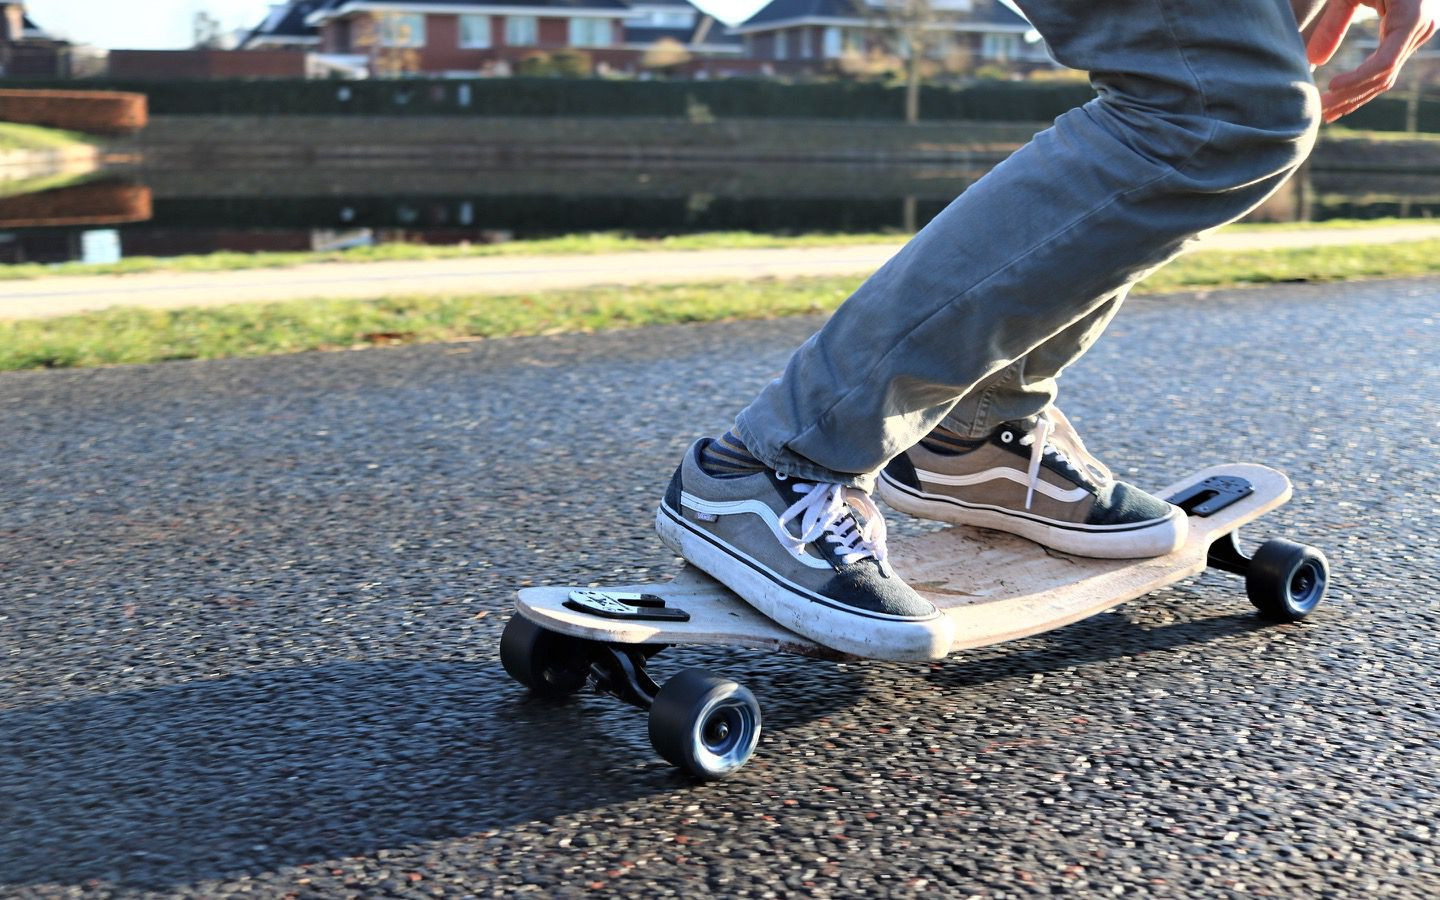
642,34
29,29
780,13
286,22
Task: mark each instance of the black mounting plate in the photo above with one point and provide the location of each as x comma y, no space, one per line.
624,605
1211,495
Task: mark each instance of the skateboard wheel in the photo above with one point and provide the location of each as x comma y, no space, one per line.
704,724
549,664
1286,580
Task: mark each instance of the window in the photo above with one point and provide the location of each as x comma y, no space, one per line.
590,32
672,19
1000,46
521,31
402,30
475,32
807,43
782,39
831,42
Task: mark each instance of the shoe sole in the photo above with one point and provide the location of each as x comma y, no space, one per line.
893,638
1161,537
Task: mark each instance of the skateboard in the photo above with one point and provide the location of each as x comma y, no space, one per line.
995,586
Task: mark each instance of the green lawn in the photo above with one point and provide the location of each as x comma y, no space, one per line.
14,136
569,245
128,335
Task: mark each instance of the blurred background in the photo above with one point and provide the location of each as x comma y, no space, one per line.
176,128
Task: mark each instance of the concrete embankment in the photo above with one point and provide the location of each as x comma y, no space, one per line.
288,140
283,141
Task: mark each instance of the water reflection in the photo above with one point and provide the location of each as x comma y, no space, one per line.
173,211
62,223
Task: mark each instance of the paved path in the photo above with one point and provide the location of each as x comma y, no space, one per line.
249,613
518,275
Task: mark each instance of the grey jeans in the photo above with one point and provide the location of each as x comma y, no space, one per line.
1204,108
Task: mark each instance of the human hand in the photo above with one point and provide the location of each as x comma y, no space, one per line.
1404,26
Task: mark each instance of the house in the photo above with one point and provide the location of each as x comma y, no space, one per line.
469,37
476,37
26,50
824,36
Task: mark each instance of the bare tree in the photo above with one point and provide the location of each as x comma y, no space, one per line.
914,31
206,30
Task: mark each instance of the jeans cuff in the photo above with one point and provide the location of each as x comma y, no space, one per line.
797,466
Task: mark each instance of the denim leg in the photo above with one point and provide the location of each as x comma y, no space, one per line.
1203,110
1030,384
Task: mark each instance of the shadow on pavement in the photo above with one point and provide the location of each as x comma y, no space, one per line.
258,771
1096,639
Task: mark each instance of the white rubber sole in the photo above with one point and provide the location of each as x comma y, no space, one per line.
875,638
1100,542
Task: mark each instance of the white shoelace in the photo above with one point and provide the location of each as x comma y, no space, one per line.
1053,432
825,510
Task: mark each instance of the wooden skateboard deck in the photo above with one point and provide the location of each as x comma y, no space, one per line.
996,587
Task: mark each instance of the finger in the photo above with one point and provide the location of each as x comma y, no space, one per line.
1351,98
1346,109
1328,31
1335,105
1383,63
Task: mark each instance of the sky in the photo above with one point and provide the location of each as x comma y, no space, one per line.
166,24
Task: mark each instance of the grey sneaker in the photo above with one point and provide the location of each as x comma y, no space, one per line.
796,552
1037,481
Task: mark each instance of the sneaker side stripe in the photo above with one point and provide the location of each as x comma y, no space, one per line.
756,507
1053,523
773,576
1073,495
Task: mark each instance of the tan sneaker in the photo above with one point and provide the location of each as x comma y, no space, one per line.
1038,481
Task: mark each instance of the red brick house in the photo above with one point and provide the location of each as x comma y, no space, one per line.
467,37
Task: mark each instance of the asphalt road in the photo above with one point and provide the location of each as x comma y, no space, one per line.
65,295
249,613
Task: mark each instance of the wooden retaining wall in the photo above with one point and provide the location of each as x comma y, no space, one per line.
92,112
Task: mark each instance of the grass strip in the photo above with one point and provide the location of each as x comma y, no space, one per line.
132,335
578,244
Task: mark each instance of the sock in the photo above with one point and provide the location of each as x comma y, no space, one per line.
945,442
726,457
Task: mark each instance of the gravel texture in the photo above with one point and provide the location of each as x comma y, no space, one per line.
249,616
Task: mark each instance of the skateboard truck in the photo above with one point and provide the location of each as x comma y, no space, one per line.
624,605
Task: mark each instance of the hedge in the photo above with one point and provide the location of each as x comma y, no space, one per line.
730,98
736,98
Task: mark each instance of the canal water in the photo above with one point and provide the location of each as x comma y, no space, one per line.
139,211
